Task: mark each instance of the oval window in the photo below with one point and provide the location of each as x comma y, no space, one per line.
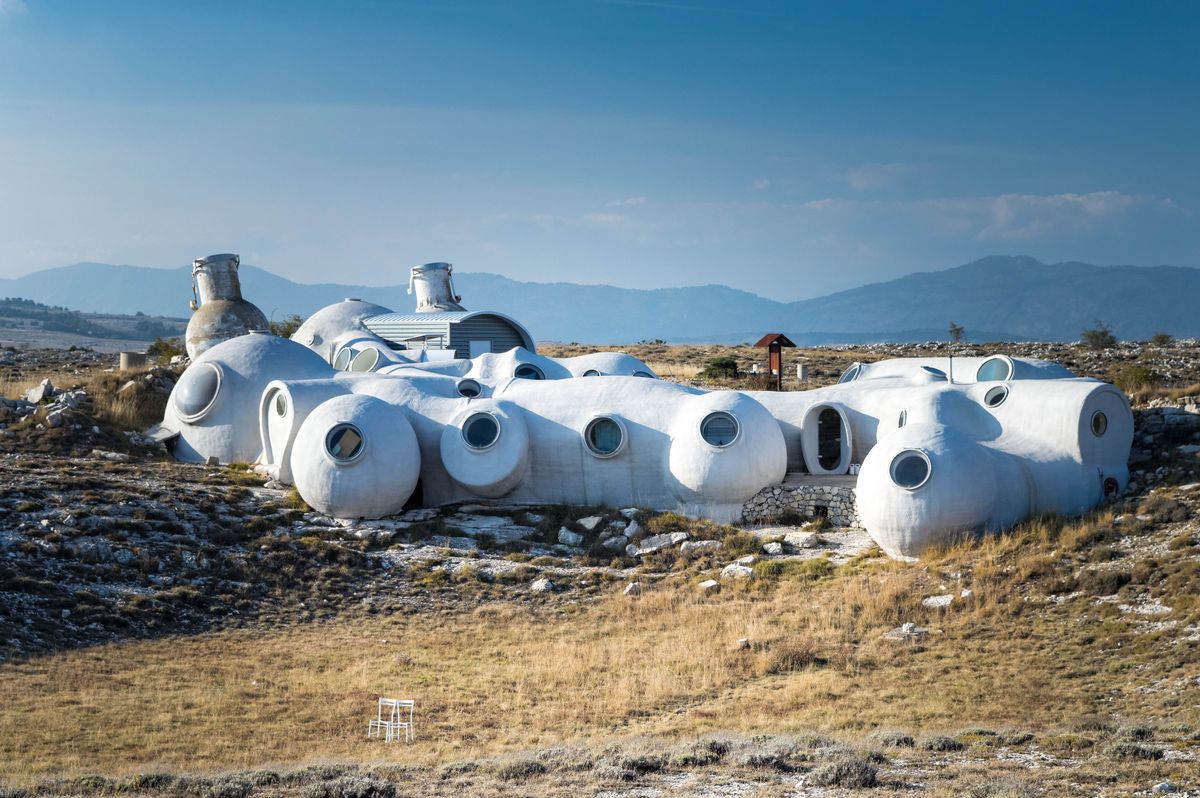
365,360
197,390
528,371
1099,423
481,430
719,429
932,372
342,361
344,442
850,374
469,388
645,374
996,396
280,404
994,369
903,418
604,436
910,469
591,373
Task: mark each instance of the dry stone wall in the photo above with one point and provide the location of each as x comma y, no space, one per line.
838,502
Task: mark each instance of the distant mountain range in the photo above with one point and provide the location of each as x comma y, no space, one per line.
995,298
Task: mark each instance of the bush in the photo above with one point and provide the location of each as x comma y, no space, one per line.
892,738
163,349
941,743
1099,337
846,772
287,325
722,367
1133,751
1136,377
351,787
1162,339
519,768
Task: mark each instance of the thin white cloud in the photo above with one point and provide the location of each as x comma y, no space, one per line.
999,217
871,176
625,202
13,7
606,218
761,184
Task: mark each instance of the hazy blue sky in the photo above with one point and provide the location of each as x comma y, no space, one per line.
785,147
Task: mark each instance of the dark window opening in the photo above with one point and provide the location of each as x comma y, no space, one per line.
829,439
820,511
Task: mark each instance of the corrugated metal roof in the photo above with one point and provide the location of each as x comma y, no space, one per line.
405,318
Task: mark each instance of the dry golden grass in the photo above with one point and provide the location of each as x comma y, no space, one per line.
134,408
512,676
673,370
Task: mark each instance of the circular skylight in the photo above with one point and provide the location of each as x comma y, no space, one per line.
344,443
719,429
604,436
481,430
994,369
996,396
197,390
910,469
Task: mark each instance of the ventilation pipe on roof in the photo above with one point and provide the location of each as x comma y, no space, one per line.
218,310
435,288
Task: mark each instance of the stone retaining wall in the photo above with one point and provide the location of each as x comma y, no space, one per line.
839,503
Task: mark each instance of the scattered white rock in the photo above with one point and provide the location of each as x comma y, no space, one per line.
773,548
542,585
633,528
633,589
629,512
937,602
656,543
908,633
41,391
966,593
709,586
736,571
699,546
749,559
591,522
569,538
615,543
742,644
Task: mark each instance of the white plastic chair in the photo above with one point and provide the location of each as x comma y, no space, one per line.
399,717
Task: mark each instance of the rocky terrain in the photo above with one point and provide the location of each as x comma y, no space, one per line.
105,541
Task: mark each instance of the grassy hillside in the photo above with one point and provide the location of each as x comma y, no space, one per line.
230,644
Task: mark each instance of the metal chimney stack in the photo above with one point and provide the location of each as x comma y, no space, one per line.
218,310
434,287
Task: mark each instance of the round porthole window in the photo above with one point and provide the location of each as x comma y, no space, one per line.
528,371
591,373
996,396
365,360
1099,423
469,388
481,430
344,443
341,361
197,390
280,404
910,469
719,429
645,374
994,369
903,419
850,374
604,436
